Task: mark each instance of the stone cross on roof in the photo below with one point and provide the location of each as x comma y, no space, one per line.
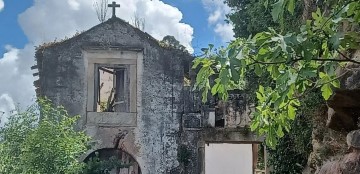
113,5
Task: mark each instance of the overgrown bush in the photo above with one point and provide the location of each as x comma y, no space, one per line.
291,153
41,140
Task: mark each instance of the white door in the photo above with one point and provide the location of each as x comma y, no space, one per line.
227,158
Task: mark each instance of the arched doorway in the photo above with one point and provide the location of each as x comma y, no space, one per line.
124,162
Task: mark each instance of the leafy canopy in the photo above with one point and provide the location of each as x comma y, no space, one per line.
249,17
296,62
49,145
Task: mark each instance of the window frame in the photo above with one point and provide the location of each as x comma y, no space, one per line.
131,59
125,87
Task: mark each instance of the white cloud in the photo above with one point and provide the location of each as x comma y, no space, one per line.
225,31
47,20
162,19
2,5
74,4
16,79
217,14
6,107
214,17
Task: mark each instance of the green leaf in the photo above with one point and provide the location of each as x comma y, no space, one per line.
211,46
224,76
260,97
214,89
266,3
204,95
263,51
293,77
232,53
258,70
283,78
234,62
324,76
336,83
352,8
308,73
277,9
196,63
235,75
261,89
280,132
254,125
314,16
291,6
204,49
337,20
291,112
335,40
326,91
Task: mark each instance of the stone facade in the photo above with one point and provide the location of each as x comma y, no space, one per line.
164,119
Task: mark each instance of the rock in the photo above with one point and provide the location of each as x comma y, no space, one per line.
344,107
350,164
332,167
345,98
352,78
340,120
353,139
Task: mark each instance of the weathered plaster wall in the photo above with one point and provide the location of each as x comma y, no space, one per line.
153,141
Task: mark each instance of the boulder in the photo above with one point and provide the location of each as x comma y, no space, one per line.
353,139
340,120
332,167
345,98
350,164
344,109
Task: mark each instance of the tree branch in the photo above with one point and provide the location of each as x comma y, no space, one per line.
347,58
334,14
296,60
265,63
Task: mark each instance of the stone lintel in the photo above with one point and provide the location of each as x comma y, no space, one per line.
111,119
113,48
230,135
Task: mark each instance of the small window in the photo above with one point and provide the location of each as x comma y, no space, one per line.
112,81
112,88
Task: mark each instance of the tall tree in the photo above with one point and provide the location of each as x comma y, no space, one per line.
297,62
170,41
252,16
101,8
138,22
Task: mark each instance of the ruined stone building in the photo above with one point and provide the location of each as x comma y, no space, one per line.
131,96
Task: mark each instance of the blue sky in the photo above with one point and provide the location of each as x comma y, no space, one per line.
25,24
10,31
194,13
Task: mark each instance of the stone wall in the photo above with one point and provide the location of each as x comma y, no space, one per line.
170,125
153,140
